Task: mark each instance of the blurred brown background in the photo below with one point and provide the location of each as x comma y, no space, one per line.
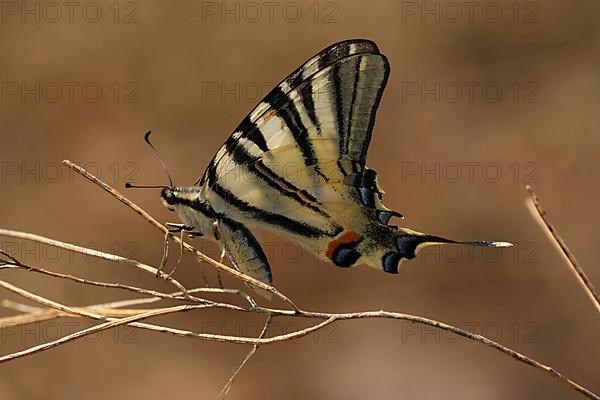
190,71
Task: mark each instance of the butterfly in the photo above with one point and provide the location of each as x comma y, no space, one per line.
296,165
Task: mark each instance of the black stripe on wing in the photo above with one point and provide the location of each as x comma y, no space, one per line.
309,105
336,78
325,58
286,109
251,132
241,157
358,83
352,103
372,112
281,221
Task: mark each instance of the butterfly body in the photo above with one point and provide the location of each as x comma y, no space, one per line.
296,165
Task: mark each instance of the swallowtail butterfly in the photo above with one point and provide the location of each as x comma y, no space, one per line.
296,165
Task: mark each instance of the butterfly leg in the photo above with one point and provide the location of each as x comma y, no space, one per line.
180,256
175,227
221,258
165,256
217,235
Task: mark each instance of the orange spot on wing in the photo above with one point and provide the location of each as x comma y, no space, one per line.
345,237
267,115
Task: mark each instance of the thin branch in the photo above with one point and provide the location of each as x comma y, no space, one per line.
20,307
133,321
37,314
166,231
90,252
328,319
30,318
539,214
112,323
16,264
223,393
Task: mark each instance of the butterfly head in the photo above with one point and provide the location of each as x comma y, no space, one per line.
168,197
187,202
172,197
195,212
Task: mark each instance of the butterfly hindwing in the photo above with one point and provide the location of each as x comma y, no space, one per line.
244,251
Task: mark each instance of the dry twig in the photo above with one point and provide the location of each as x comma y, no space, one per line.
539,214
327,318
89,252
225,391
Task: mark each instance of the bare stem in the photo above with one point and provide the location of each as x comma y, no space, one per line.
541,217
328,318
223,393
16,264
89,252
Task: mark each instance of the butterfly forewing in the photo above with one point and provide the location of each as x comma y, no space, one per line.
287,157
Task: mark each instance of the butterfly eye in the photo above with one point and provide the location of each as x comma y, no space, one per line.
169,197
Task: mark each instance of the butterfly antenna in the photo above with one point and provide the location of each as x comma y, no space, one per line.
131,185
164,166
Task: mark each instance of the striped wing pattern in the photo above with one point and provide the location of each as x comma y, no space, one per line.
297,165
282,163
